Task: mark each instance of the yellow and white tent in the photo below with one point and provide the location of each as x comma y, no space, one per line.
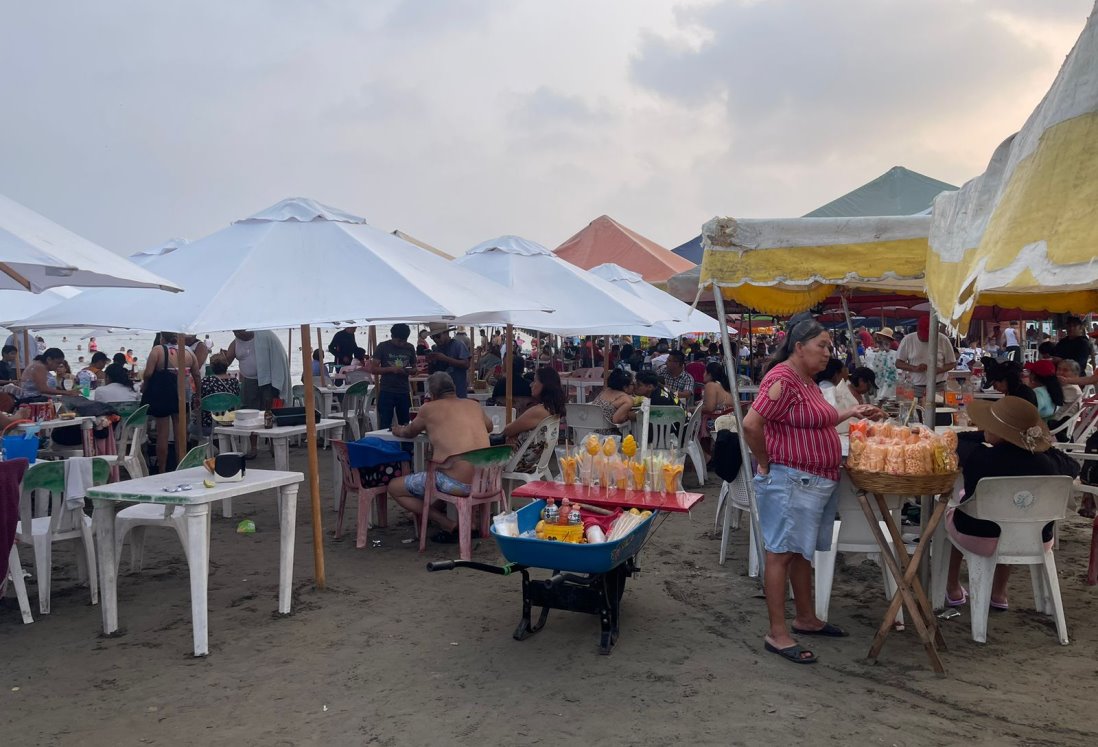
1024,234
783,266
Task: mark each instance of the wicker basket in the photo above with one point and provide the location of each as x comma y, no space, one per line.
878,482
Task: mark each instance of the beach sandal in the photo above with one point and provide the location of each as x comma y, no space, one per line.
958,602
794,653
1001,606
828,630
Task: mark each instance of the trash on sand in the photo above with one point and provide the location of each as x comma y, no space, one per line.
246,527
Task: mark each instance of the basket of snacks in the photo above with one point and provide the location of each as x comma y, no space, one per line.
893,459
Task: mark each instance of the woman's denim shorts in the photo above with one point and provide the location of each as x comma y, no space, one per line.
796,510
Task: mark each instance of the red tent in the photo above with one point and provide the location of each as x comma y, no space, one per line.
606,240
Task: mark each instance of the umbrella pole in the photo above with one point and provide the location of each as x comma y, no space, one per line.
750,347
26,356
929,416
181,391
850,331
311,445
508,367
371,340
734,382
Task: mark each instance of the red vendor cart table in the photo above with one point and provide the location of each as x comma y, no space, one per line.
680,502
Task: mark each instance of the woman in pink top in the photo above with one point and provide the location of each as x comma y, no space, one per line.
790,430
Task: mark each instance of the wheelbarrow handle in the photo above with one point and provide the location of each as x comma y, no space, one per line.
449,565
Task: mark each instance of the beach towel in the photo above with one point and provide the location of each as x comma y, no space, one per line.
78,478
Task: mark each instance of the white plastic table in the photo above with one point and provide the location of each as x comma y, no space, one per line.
86,423
581,386
196,509
328,395
280,438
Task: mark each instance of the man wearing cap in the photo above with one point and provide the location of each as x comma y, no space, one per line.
913,356
1019,441
454,355
1075,347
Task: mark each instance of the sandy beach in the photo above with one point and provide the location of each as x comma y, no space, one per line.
392,655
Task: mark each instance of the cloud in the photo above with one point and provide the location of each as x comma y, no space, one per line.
546,106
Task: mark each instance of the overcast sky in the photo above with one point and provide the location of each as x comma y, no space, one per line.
131,121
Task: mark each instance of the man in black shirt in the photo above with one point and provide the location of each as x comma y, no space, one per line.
1075,347
648,385
7,365
343,346
394,361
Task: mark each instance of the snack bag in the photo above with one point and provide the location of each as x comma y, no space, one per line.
856,458
894,460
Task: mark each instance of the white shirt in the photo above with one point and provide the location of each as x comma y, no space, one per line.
245,356
1010,337
914,351
115,393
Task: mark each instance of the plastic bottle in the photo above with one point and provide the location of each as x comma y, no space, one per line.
961,418
968,391
952,392
565,509
550,514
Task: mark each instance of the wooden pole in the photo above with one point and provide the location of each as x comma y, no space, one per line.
311,446
181,391
508,369
371,341
25,355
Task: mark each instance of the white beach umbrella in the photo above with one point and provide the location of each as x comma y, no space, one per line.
298,262
631,282
36,254
583,303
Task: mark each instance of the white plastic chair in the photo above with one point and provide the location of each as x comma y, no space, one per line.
691,442
1021,506
15,575
583,420
546,432
668,424
357,409
132,442
63,524
133,520
852,533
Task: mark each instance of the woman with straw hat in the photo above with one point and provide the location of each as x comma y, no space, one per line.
882,362
1020,443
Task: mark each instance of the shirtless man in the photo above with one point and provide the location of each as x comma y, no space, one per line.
455,426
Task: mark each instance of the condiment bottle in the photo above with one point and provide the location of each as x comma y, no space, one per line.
565,509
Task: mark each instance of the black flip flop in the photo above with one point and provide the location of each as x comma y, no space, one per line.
828,630
793,653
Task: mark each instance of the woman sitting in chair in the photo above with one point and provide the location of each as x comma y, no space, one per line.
549,399
217,383
615,401
1020,446
716,401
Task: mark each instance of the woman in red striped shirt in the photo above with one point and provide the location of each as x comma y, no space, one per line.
790,430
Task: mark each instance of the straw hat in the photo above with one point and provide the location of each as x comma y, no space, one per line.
437,328
1013,419
884,332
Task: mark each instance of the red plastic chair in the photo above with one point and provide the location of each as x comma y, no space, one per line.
352,482
486,489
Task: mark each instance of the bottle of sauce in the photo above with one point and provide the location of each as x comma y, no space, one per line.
550,514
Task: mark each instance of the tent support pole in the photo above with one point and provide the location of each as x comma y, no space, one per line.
181,391
733,381
850,330
25,355
929,417
508,371
311,446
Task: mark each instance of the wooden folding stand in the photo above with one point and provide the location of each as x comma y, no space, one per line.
905,568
